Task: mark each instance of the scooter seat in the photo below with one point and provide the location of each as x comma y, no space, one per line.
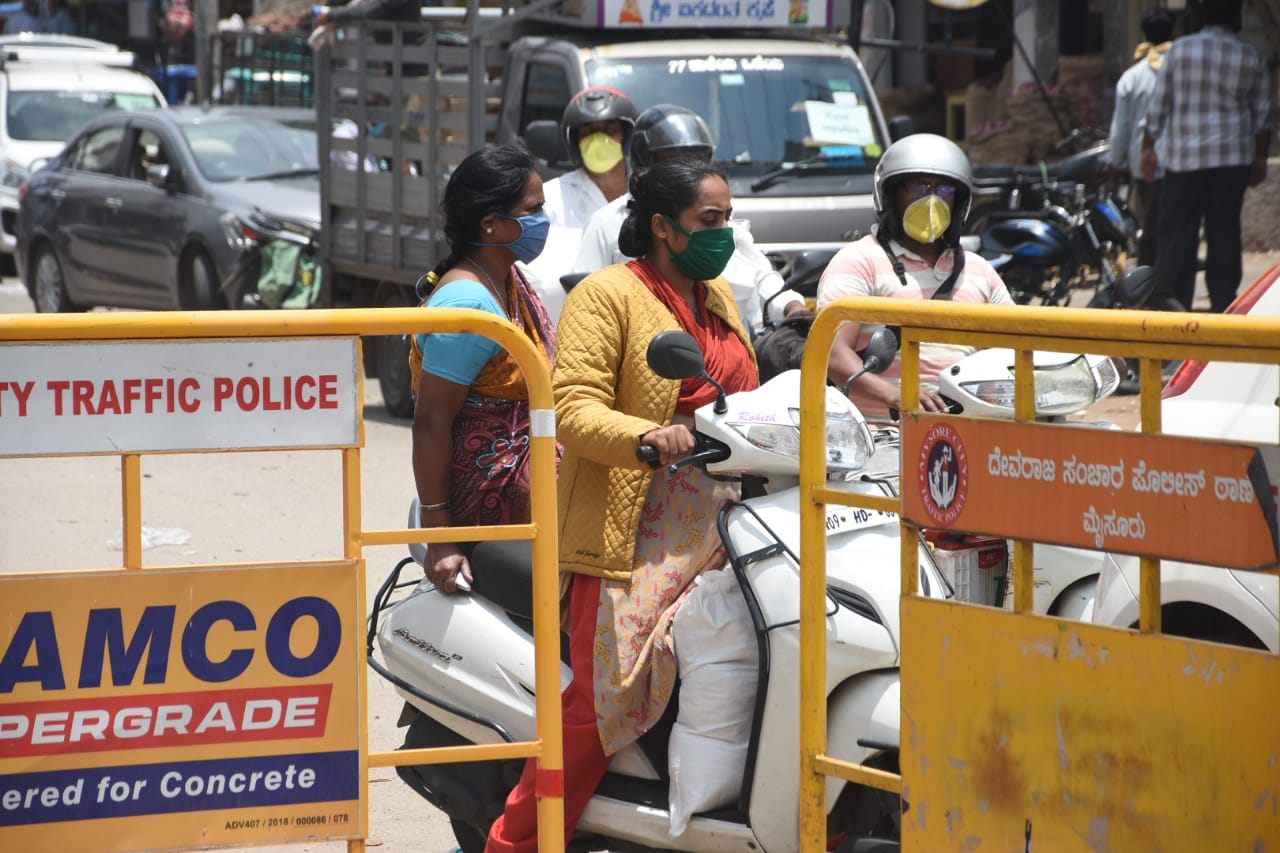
503,573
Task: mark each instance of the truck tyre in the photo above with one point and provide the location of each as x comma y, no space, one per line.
393,362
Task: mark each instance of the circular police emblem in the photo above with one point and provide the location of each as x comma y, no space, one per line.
943,474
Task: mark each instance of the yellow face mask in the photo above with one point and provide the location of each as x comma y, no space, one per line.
926,219
600,152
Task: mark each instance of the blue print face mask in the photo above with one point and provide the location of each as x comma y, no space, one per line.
533,236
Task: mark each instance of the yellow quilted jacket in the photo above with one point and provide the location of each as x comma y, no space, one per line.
606,399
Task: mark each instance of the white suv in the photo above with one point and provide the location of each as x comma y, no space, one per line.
1228,401
49,86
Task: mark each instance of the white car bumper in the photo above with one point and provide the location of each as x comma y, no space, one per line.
8,219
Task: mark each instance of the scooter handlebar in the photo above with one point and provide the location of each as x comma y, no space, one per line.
649,454
705,450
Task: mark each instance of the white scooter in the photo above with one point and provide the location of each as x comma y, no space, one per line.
464,662
982,385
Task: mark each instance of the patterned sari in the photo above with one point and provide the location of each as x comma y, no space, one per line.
634,663
489,476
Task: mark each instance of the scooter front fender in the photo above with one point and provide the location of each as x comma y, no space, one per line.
867,707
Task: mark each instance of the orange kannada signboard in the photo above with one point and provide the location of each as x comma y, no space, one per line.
160,709
1152,495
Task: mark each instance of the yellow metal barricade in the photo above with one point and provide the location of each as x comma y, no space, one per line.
184,328
1022,731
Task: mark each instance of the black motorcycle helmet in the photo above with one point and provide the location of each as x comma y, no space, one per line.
668,128
596,103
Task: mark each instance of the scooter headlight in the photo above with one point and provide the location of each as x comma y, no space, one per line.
1061,389
783,439
1109,372
849,443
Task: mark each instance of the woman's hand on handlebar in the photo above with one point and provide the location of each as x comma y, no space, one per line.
672,442
930,401
445,562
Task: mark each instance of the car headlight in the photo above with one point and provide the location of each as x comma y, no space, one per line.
1060,389
14,174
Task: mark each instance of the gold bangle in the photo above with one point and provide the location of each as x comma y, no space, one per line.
435,507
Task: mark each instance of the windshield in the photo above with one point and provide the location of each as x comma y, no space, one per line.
53,116
248,150
763,110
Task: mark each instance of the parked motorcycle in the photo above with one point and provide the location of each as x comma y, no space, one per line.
280,268
464,662
1003,188
1044,255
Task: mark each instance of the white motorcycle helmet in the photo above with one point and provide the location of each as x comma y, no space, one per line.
923,154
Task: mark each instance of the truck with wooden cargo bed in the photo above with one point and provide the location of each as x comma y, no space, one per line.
795,119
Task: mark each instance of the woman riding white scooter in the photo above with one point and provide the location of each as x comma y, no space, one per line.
619,516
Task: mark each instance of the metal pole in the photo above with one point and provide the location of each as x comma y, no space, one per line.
1040,85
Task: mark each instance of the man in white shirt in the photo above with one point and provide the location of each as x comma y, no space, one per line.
668,131
1128,123
597,126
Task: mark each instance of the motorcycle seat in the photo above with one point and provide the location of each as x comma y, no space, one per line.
1080,168
503,573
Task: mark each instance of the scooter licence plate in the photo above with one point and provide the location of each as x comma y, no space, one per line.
848,518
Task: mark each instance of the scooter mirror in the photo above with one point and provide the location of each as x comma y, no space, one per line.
808,264
675,355
1134,287
570,280
879,351
547,144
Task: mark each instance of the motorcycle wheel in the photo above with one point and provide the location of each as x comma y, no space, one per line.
867,819
470,839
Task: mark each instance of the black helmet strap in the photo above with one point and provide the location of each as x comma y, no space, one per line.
943,292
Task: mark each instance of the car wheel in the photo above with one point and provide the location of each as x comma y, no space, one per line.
393,364
50,289
199,286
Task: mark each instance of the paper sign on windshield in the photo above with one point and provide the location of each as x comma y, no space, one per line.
715,13
1159,496
840,124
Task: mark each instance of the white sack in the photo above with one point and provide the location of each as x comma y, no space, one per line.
715,645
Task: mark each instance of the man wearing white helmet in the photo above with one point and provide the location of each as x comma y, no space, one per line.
922,194
665,132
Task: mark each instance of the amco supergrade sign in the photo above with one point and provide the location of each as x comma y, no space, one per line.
172,708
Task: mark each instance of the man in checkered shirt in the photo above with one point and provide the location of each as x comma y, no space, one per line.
1212,105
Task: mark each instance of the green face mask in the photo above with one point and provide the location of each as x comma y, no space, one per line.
926,219
600,152
707,254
